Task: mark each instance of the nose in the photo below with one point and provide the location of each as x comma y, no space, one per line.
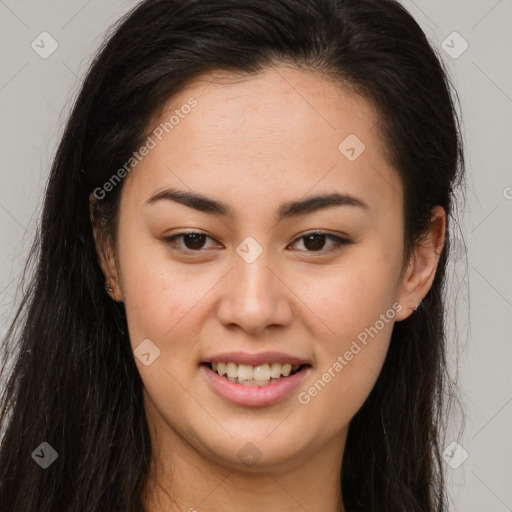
254,297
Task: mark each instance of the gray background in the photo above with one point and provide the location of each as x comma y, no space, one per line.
35,97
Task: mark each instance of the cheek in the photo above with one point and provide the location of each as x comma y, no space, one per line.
348,363
356,303
352,295
162,304
157,295
159,301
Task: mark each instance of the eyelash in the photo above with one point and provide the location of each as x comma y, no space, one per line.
339,242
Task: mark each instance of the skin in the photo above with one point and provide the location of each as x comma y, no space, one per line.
255,142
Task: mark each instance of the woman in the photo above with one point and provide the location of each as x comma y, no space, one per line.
238,300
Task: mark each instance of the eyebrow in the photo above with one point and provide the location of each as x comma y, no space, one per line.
286,210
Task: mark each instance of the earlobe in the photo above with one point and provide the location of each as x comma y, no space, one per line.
422,266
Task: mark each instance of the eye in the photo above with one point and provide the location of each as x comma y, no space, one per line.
315,241
193,241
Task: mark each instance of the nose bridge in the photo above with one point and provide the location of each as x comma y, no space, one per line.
253,298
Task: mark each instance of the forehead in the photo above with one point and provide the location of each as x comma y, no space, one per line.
281,132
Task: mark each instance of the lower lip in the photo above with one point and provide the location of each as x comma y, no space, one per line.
254,396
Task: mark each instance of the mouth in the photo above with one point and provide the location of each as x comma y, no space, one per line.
265,374
255,379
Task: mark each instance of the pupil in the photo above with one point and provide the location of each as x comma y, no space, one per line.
318,242
196,239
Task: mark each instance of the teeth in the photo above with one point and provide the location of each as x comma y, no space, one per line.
245,372
254,375
262,372
232,370
275,370
287,368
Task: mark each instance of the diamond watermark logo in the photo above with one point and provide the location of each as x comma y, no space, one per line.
146,352
249,454
44,45
352,147
455,455
44,455
454,45
249,250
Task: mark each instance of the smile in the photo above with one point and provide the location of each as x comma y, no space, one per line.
254,386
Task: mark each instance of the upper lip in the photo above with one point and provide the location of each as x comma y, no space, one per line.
255,359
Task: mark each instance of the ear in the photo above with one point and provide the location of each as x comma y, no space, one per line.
422,266
105,251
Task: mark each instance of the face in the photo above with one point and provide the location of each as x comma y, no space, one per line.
263,227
